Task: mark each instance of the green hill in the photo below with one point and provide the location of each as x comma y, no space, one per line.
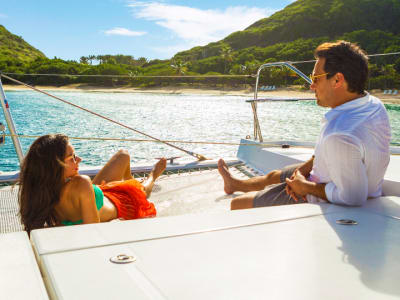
288,35
361,21
14,47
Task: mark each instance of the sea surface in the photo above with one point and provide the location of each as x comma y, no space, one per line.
199,118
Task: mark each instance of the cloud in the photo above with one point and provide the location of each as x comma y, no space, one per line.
3,15
123,31
197,26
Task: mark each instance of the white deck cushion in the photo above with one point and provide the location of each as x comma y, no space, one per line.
19,274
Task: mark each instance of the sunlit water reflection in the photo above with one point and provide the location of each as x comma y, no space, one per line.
169,117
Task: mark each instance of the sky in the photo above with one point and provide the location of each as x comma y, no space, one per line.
152,29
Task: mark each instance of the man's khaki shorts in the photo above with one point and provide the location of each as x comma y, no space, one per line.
275,194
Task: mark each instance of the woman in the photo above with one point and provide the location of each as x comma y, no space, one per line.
53,193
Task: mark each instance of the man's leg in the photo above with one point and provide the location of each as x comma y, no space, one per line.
273,195
257,183
243,201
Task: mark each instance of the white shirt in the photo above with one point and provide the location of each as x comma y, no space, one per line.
352,152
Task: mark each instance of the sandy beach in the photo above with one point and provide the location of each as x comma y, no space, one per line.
290,92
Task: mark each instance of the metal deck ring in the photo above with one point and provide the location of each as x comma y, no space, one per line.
122,259
346,222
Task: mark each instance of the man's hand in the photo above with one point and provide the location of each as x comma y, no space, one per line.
297,185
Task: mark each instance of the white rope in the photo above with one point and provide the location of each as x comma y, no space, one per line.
271,145
161,141
176,76
370,55
131,76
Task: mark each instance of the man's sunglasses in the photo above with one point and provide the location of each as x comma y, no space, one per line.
315,77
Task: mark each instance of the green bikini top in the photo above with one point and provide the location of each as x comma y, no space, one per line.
98,194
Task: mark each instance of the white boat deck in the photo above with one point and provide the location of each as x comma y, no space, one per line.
19,276
287,252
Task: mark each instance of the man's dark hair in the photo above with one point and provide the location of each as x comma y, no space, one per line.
348,59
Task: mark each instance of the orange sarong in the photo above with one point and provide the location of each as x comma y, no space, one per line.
129,198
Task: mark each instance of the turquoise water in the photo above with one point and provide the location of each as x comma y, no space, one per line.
165,116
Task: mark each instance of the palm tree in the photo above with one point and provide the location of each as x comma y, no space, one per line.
179,66
227,56
84,60
141,61
91,58
100,58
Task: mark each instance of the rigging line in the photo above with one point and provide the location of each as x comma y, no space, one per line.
383,54
176,76
130,76
370,55
160,141
272,145
198,156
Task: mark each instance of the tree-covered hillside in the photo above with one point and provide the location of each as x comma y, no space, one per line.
13,46
291,34
310,19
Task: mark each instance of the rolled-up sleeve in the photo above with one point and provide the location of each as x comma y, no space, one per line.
344,157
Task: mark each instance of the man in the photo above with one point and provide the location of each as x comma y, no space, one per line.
352,152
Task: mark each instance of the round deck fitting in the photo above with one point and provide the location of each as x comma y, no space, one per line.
346,222
122,259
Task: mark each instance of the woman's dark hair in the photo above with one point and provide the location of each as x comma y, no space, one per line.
41,180
348,59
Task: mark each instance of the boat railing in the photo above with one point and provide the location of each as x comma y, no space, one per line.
257,128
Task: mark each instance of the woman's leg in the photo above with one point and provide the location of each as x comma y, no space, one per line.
116,169
158,169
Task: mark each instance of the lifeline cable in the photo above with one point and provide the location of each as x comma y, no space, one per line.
162,141
134,76
264,144
180,76
198,156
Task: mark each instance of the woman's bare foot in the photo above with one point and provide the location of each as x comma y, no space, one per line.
158,169
226,176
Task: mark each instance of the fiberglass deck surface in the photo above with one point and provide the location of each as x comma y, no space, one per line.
248,254
173,194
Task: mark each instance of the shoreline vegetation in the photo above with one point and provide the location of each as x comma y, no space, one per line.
291,92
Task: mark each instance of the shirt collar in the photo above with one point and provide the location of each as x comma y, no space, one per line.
358,102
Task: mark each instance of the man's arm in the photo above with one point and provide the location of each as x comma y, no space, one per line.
345,162
349,182
306,167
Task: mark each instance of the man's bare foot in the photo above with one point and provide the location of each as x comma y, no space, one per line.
159,168
226,176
